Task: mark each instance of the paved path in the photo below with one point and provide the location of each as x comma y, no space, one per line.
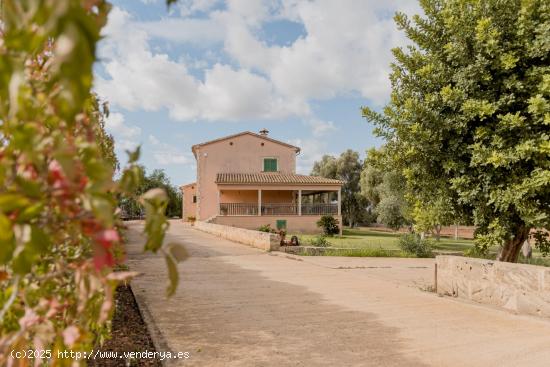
238,306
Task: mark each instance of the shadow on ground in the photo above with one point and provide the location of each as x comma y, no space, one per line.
228,316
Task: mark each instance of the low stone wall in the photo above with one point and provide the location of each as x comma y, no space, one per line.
295,223
261,240
524,289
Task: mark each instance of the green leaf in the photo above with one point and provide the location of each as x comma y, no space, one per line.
10,202
133,156
39,241
173,275
7,239
103,209
22,263
30,188
177,251
30,212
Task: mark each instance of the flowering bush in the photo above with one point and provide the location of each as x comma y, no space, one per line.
60,236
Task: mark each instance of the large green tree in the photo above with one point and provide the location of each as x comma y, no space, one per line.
469,114
347,167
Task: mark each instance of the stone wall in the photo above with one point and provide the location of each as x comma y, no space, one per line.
262,240
524,289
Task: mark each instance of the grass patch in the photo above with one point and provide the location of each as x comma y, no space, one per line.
369,239
540,261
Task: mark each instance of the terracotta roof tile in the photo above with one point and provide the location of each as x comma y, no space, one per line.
273,178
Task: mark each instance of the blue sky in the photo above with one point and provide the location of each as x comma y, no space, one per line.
209,68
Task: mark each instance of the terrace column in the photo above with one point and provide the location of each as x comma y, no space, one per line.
219,208
339,201
300,202
340,209
259,202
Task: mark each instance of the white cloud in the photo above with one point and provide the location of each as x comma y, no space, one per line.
153,140
202,32
141,79
165,154
126,136
347,48
320,127
312,150
189,7
125,144
345,51
115,125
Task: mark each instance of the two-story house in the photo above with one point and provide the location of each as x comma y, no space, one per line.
248,180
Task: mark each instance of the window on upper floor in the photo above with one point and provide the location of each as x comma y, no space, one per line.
194,198
270,165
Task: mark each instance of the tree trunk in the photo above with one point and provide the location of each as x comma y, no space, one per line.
510,251
456,231
437,232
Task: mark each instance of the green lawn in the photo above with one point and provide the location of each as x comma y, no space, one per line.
370,242
366,238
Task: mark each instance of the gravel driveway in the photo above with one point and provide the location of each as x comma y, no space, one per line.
238,306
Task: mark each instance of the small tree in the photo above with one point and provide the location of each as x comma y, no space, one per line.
411,243
329,224
391,212
431,216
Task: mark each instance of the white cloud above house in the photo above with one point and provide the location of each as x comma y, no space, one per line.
320,128
345,50
165,154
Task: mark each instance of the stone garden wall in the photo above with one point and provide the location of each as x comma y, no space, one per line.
524,289
261,240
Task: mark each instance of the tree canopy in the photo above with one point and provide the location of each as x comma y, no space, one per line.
156,179
384,187
347,167
469,116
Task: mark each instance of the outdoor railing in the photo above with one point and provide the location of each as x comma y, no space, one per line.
319,209
277,209
238,209
280,209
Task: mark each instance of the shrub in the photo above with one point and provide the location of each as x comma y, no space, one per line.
329,224
413,244
60,230
191,218
319,241
266,228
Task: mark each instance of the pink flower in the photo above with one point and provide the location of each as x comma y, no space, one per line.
30,318
70,335
103,258
107,237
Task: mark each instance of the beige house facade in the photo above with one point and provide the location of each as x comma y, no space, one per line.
248,180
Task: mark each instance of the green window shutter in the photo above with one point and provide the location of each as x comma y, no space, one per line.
270,165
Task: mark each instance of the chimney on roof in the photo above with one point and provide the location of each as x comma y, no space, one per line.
264,132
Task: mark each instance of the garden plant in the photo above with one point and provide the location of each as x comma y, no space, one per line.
60,234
